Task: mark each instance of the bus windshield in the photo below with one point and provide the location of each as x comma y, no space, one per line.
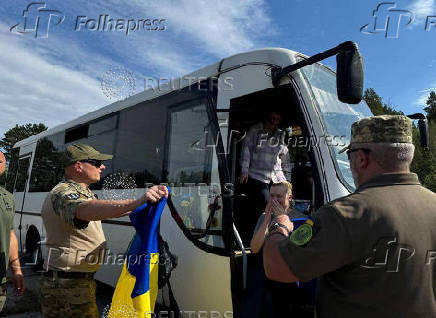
337,116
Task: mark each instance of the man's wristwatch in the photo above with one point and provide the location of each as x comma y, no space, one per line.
275,225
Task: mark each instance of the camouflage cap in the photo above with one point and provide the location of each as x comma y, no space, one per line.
381,129
79,152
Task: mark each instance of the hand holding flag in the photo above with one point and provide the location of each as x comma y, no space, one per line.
136,290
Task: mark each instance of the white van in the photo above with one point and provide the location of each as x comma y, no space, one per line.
189,137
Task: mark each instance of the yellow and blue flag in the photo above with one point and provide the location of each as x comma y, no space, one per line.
136,291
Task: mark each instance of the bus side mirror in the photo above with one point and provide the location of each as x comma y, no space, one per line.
423,133
349,75
423,129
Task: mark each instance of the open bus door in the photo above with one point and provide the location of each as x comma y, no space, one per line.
20,188
349,90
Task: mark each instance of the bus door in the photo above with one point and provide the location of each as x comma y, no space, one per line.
20,187
194,168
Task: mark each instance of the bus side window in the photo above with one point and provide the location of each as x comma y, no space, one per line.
47,167
12,170
192,171
22,174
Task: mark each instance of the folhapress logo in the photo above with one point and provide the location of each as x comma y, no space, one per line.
105,23
388,255
388,20
37,20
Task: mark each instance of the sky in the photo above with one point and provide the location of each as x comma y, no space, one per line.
56,76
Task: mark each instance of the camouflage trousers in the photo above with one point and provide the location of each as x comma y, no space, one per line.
68,297
2,297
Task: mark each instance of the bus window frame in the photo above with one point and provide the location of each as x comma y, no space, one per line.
205,96
321,119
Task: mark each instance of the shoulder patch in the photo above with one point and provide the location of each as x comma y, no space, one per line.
302,235
72,196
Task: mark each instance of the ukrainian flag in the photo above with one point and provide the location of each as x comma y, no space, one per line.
136,291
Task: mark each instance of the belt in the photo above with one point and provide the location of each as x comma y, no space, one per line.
61,274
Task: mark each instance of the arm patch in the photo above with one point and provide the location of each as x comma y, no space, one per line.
72,196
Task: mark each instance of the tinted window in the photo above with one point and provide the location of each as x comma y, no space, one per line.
192,170
141,137
190,145
101,136
23,172
12,170
47,168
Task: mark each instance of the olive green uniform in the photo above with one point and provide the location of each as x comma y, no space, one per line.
7,210
371,251
75,250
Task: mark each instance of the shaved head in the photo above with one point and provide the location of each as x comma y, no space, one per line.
2,163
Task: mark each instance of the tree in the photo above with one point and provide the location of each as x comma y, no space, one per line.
17,133
424,162
431,106
376,104
374,101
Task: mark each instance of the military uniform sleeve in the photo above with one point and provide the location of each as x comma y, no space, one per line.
328,247
65,202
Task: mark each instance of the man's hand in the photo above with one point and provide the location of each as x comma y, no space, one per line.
268,213
162,191
18,281
284,219
243,178
155,193
277,208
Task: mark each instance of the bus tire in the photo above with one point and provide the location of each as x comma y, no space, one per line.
33,248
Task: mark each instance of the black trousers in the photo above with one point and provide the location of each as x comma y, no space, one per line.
249,208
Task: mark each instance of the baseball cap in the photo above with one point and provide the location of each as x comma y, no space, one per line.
79,152
381,129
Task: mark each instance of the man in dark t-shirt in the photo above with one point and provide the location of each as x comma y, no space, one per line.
374,249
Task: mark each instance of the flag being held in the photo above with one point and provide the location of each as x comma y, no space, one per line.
136,291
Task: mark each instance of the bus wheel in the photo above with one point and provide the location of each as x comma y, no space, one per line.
33,248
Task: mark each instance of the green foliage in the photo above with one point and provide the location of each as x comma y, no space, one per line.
431,107
376,104
424,162
17,133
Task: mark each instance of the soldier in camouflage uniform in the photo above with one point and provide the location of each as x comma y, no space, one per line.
75,243
8,242
373,250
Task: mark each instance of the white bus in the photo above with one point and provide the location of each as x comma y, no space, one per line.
189,136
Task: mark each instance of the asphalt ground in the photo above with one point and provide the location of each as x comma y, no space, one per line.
27,306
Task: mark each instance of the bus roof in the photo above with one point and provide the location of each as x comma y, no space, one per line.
275,56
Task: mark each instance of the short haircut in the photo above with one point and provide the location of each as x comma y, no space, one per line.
285,184
391,157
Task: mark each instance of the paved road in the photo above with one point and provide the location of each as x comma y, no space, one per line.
27,306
